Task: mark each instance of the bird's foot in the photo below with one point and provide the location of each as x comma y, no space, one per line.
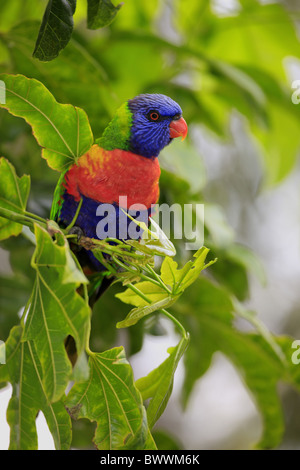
75,230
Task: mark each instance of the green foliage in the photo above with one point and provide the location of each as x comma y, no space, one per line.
214,66
101,13
14,193
210,314
149,297
62,131
56,29
38,360
56,310
159,383
57,25
30,395
110,398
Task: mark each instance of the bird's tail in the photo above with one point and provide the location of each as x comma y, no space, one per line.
97,288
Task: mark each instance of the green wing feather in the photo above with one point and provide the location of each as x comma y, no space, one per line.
57,197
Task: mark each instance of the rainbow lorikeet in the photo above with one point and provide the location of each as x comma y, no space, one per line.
123,162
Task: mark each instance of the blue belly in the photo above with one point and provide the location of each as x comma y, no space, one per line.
101,221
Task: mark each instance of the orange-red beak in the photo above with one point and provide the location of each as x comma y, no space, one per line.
178,128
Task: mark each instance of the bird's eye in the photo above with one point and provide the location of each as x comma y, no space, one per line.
154,116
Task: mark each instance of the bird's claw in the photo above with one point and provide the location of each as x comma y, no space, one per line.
75,230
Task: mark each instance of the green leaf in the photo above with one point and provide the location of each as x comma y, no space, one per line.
2,353
196,268
14,193
231,274
158,384
138,313
4,375
153,292
153,241
101,13
62,130
170,273
209,315
16,286
149,297
110,398
29,396
180,279
56,310
56,29
69,74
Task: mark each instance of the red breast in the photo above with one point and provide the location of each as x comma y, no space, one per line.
105,175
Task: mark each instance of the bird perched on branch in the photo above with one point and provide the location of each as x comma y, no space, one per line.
120,171
122,163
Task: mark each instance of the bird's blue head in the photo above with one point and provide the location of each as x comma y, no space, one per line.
144,125
156,120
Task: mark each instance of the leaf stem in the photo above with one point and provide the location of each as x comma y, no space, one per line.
159,279
185,334
165,312
86,298
75,216
109,249
20,218
140,293
34,216
261,328
139,273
